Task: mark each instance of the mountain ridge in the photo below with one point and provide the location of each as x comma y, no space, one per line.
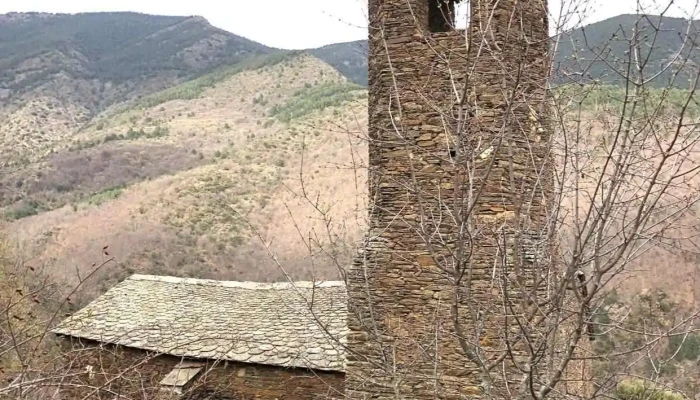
58,71
574,48
146,165
595,51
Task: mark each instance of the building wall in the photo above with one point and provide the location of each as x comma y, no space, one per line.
136,374
435,97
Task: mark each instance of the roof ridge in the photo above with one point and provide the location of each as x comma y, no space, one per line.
238,284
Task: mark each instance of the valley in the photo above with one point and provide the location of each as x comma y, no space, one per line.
172,187
224,154
166,146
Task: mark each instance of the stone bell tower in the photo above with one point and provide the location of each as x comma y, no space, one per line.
454,116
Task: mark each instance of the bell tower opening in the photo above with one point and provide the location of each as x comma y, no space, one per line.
441,15
447,15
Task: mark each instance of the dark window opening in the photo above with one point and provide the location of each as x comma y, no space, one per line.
441,15
453,153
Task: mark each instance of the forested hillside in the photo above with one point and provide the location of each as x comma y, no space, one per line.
609,51
350,59
113,47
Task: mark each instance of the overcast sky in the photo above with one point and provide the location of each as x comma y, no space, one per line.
289,24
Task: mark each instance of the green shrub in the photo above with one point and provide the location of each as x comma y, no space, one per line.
131,134
101,197
26,209
638,389
684,347
611,298
317,98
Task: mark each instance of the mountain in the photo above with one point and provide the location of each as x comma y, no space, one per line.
592,52
173,182
113,47
350,59
194,165
600,51
58,71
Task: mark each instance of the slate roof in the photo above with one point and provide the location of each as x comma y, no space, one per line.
238,321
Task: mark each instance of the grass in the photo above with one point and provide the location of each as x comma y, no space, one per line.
194,88
316,98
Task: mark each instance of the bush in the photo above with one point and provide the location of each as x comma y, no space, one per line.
684,347
101,197
316,98
26,209
638,389
260,100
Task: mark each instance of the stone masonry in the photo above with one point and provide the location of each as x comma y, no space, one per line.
136,374
452,115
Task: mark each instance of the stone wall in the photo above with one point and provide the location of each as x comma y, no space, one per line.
137,374
452,115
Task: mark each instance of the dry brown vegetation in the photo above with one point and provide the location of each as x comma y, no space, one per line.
256,178
174,204
181,203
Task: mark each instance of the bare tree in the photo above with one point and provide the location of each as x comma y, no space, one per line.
510,195
494,242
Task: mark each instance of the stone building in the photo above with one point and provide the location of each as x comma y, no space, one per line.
154,337
459,186
443,301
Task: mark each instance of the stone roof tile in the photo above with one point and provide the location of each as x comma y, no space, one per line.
276,324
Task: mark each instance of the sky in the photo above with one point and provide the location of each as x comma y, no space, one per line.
299,24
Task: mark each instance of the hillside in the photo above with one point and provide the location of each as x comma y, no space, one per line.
350,59
172,183
601,51
593,52
169,169
58,71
